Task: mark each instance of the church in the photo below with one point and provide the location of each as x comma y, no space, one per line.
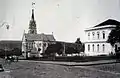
97,36
34,44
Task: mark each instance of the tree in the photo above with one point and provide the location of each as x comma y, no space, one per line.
79,46
114,36
70,50
78,41
54,48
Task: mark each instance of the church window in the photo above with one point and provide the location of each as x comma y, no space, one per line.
39,49
44,44
40,44
32,31
116,48
28,45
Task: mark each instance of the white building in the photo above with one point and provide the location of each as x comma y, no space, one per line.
97,36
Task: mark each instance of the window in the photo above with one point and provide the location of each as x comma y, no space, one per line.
88,47
93,33
103,47
29,45
98,47
40,44
103,34
44,44
39,49
88,35
93,47
98,35
116,48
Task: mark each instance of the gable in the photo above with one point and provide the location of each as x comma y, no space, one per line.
108,22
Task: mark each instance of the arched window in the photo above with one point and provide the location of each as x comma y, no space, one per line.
93,33
39,49
40,44
88,35
116,48
32,45
93,47
98,35
98,47
44,44
88,47
103,34
103,47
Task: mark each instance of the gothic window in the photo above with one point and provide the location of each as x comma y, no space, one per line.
39,49
93,47
88,35
32,31
98,35
116,48
44,44
28,45
98,47
31,45
103,47
103,34
88,47
40,44
93,33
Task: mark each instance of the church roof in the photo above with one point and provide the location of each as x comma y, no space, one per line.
40,37
108,22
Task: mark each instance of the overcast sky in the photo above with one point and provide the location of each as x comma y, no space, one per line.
67,19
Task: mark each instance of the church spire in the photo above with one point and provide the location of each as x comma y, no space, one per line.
32,24
32,14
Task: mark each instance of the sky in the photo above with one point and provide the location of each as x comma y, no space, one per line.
67,19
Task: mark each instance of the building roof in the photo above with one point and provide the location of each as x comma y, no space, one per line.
39,37
108,22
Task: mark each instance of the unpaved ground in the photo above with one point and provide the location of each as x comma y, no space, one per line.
29,69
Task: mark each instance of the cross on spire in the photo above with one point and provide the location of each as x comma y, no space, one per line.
33,3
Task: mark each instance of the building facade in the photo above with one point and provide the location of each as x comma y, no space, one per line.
34,44
97,36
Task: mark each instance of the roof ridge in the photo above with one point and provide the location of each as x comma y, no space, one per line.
108,22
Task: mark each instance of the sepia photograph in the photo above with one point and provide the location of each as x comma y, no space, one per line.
59,38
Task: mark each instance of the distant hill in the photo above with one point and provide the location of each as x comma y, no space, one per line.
10,44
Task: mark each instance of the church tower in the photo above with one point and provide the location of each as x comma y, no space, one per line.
32,24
